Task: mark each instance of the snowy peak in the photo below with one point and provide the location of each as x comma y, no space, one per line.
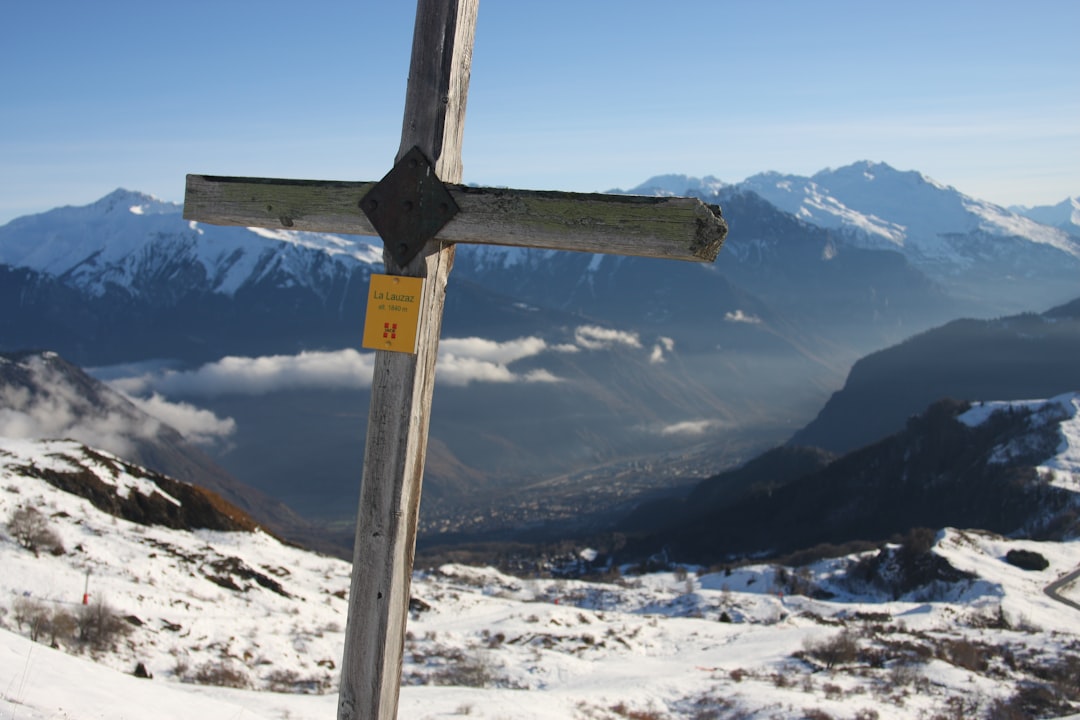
133,242
806,199
883,207
676,186
1065,215
136,203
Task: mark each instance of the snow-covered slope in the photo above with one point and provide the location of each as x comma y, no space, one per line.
1063,411
677,185
129,240
203,609
887,208
1064,215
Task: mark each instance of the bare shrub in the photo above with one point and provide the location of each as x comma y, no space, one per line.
907,674
31,613
100,627
62,626
623,711
474,670
1032,700
841,649
282,681
964,653
221,675
31,530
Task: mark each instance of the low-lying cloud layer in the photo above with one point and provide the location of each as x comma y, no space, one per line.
461,361
258,375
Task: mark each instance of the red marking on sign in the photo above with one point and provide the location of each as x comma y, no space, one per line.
390,331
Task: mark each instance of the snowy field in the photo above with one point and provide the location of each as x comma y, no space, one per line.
237,625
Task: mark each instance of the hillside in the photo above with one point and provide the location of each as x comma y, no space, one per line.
237,624
42,395
1013,471
1021,356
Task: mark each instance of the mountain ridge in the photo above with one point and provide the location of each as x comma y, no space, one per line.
1028,355
1007,467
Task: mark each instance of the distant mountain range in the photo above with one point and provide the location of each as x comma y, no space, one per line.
552,363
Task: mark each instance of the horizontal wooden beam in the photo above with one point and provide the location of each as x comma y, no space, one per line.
661,227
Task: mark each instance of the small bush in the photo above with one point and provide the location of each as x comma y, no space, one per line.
1031,701
221,675
100,627
965,654
31,530
1027,560
474,671
840,649
62,626
623,711
282,681
31,613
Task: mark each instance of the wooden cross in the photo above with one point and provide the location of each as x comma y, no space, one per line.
401,389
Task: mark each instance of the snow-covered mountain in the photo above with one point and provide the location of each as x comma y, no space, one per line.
142,245
1010,467
905,210
1064,215
676,186
235,623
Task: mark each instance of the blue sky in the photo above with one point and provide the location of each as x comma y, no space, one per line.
586,95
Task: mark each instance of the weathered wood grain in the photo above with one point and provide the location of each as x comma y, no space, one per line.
660,227
402,385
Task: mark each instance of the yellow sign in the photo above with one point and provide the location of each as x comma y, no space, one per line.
393,313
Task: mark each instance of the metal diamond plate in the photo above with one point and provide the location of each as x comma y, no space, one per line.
409,206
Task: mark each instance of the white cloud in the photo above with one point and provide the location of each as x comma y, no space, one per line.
57,410
466,360
688,427
594,337
196,424
461,361
489,350
740,317
663,345
256,375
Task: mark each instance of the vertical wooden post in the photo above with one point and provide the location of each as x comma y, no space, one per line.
402,384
